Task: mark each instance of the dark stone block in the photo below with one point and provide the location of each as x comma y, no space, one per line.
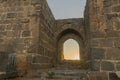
107,66
11,34
3,61
106,42
112,33
2,27
113,54
113,76
118,66
117,25
117,42
96,65
26,34
24,20
41,59
98,76
94,43
98,53
116,9
1,40
35,2
110,16
3,34
38,7
107,3
109,24
11,15
41,50
98,35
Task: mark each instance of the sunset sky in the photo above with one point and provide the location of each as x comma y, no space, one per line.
71,50
63,9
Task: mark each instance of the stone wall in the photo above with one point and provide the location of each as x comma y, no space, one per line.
74,29
104,23
15,34
26,27
46,39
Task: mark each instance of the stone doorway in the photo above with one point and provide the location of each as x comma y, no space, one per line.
71,50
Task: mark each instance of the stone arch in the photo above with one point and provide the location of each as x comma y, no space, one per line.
69,34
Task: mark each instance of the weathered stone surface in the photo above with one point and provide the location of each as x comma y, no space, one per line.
41,59
116,9
96,65
117,42
35,1
107,3
118,66
98,34
98,76
107,66
29,26
112,33
26,33
24,20
95,43
98,53
3,60
117,24
11,15
113,76
106,42
111,51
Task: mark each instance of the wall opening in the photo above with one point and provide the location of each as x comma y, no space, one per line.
71,50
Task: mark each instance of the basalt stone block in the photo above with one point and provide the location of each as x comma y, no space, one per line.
117,42
118,66
98,76
109,24
3,61
98,53
11,15
26,34
110,16
116,9
112,33
35,1
113,54
1,40
96,65
94,43
106,42
117,25
2,34
24,20
107,3
107,66
2,75
41,59
2,27
113,76
98,35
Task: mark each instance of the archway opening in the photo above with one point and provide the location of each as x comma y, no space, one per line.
71,50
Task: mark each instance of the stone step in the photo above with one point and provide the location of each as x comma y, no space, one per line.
66,74
2,75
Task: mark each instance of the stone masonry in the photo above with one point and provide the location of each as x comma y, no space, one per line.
30,33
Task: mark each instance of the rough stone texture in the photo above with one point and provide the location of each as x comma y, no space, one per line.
107,66
29,27
103,21
113,76
98,76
